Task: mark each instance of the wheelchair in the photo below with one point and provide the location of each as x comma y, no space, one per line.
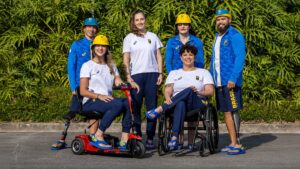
80,145
206,130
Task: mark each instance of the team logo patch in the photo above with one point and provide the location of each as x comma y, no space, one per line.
83,54
149,41
197,77
177,47
225,42
134,42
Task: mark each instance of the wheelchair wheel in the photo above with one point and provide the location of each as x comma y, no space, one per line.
77,146
212,129
163,135
215,128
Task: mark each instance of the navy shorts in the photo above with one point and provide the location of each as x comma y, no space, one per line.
229,100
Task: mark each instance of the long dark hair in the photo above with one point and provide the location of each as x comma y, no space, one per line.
107,59
133,28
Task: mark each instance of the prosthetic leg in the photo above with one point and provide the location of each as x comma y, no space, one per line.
61,144
237,121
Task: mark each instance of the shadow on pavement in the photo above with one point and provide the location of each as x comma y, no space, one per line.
249,141
257,140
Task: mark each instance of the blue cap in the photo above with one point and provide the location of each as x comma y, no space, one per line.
90,22
223,12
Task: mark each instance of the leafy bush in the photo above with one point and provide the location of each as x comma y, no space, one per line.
35,36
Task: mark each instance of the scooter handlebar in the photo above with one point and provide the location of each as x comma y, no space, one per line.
123,86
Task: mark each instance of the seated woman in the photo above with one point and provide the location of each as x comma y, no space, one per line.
183,91
97,77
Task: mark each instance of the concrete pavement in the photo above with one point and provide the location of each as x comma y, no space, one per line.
248,127
264,151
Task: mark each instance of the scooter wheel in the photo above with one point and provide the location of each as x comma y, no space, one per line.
77,146
138,149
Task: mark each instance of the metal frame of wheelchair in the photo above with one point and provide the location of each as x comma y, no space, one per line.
206,130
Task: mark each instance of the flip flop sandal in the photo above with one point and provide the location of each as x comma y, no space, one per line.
59,145
172,144
227,148
152,112
236,151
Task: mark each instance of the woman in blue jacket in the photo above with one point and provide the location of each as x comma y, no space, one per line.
173,61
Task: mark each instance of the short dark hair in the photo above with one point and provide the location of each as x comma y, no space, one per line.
188,48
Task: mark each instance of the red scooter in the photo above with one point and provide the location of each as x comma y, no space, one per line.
135,147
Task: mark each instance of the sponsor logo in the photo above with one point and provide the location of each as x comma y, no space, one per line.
179,78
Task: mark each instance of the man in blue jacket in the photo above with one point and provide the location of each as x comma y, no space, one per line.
227,63
79,53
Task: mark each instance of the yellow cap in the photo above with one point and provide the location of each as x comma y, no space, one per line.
101,40
183,18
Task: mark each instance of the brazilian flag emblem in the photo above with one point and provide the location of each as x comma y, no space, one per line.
225,42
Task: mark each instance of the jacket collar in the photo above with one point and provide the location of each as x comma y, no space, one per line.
191,37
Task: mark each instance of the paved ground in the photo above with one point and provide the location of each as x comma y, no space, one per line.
31,150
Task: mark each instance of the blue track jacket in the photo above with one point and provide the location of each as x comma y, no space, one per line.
232,57
79,53
173,61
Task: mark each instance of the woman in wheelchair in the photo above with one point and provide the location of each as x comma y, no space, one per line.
183,91
97,78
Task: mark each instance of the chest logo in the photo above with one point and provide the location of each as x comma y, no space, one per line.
197,77
149,41
95,73
134,42
177,47
179,78
226,42
83,54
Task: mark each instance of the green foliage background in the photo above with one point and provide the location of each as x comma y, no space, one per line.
36,36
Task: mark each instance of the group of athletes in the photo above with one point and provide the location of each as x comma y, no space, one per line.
91,67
